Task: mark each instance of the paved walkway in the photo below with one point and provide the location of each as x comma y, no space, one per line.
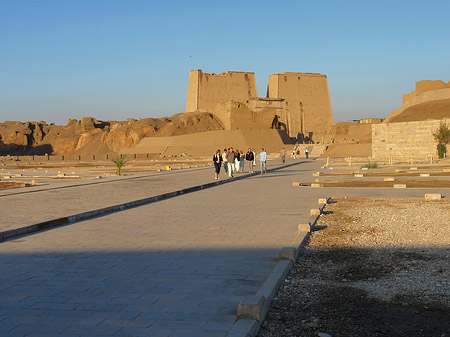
173,268
59,198
178,267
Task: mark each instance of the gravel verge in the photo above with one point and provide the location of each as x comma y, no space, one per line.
373,267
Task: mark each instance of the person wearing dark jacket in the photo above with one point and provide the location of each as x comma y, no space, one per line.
250,157
217,159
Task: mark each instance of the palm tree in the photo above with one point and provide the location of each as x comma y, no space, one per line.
119,162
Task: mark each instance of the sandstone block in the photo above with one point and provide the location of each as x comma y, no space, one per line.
287,253
424,174
323,201
316,185
446,170
304,227
399,185
358,175
320,180
295,183
251,307
413,168
389,179
433,196
314,211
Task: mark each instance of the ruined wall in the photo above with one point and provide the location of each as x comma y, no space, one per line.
424,86
307,99
405,141
237,115
207,90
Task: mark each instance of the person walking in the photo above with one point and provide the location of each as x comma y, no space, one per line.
241,162
306,153
217,160
283,155
250,157
263,160
230,161
237,160
224,160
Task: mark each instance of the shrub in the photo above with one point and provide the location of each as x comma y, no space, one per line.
442,136
370,165
119,162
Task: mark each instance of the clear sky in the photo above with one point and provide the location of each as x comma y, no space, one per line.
119,59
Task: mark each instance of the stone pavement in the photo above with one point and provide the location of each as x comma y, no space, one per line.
178,267
59,198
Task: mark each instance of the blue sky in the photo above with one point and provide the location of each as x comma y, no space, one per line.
114,60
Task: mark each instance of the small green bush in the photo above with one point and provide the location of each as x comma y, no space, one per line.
370,165
119,162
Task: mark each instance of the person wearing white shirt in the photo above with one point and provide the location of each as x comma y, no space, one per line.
263,160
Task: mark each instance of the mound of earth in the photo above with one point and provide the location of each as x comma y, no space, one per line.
348,150
430,100
91,136
350,132
429,110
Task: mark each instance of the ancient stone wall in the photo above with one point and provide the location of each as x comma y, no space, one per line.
424,86
405,141
308,100
300,102
206,90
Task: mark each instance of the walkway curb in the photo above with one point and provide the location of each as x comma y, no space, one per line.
20,231
252,309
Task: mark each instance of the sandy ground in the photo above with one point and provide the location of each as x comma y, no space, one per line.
373,267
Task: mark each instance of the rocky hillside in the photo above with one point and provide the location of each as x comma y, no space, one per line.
91,136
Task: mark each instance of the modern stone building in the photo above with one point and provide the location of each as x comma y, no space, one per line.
297,102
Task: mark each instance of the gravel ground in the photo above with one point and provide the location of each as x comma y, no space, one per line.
373,267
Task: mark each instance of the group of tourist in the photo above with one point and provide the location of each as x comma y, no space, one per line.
233,161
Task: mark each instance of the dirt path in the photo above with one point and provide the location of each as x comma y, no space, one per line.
378,268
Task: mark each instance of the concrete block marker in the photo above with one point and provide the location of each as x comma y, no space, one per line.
315,211
252,307
304,227
296,183
399,185
315,185
389,179
288,253
424,174
433,196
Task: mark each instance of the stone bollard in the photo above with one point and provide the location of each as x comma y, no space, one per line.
314,211
433,196
304,227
